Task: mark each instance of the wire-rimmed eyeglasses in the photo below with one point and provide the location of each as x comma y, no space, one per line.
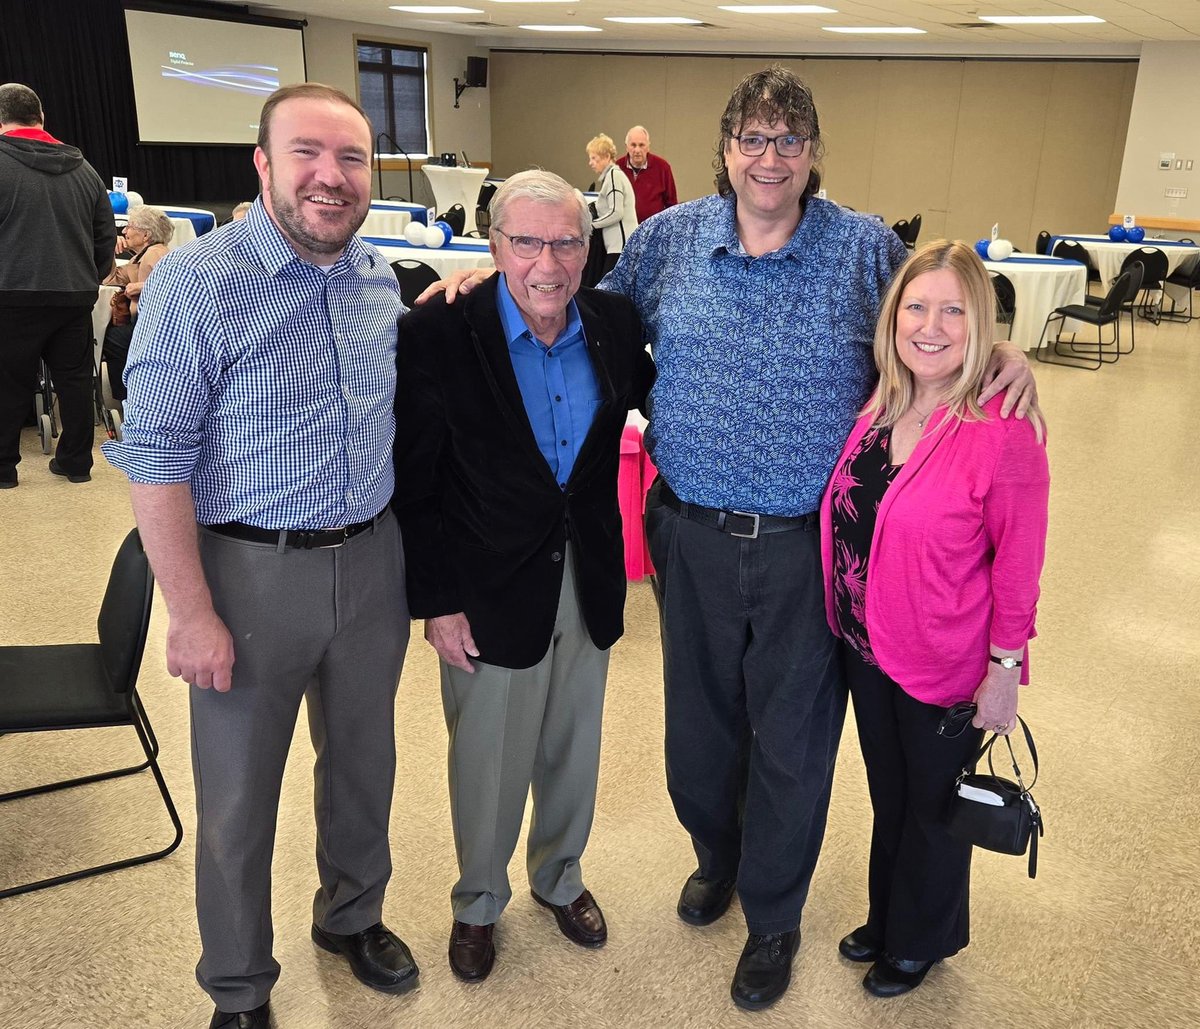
530,247
754,144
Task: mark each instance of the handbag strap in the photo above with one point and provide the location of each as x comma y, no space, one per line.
987,748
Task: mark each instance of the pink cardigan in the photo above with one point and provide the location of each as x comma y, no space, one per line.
955,557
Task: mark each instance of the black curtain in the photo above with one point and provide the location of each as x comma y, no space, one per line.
75,55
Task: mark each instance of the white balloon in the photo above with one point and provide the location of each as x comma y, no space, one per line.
434,237
135,200
414,232
999,250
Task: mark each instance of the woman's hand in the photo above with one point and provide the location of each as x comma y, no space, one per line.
996,700
133,289
1008,371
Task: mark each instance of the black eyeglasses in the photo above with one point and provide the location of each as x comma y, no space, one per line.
530,247
754,144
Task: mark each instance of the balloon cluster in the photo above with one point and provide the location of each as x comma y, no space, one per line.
994,249
1133,234
436,235
122,203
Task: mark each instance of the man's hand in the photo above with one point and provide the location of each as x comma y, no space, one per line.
200,651
450,636
1008,371
456,283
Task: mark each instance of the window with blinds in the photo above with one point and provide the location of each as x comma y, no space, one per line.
392,81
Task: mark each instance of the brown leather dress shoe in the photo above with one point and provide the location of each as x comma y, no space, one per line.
472,952
259,1018
581,921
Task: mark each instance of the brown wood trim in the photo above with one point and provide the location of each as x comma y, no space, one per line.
1171,224
402,164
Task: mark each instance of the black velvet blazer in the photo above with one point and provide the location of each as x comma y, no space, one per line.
484,522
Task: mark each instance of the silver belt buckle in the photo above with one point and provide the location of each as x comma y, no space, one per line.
753,534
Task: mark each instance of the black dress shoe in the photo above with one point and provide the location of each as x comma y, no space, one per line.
581,921
764,969
377,956
702,901
860,945
890,977
472,952
259,1018
70,476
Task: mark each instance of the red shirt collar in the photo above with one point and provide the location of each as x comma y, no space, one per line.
41,135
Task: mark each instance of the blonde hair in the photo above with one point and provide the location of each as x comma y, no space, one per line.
894,393
602,146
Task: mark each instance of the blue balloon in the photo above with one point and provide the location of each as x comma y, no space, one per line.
981,248
1135,234
446,230
119,201
1117,233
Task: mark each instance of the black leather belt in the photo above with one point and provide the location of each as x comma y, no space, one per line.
300,539
742,524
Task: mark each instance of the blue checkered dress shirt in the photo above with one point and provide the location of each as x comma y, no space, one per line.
264,381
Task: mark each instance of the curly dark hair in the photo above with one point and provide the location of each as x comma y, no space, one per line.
769,96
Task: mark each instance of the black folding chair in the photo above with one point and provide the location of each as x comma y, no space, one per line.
1006,299
414,277
1069,250
1189,280
1043,242
1082,355
90,686
901,229
1137,271
456,218
914,230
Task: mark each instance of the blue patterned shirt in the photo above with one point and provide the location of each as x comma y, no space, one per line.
763,362
264,381
558,383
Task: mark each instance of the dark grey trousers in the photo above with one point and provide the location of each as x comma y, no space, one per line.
754,705
330,626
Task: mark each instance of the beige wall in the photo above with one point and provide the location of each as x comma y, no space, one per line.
1163,120
1028,144
329,50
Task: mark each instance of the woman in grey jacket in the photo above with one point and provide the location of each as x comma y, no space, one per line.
616,215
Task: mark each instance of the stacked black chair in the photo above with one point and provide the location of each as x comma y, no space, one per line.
456,218
1043,242
414,277
89,686
1137,271
1085,355
1006,298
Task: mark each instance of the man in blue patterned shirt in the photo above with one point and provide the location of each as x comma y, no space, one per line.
258,444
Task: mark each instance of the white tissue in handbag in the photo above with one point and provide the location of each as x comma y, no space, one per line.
969,792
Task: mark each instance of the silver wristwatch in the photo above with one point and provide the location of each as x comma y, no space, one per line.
1005,662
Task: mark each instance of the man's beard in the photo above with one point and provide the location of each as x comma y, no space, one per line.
287,212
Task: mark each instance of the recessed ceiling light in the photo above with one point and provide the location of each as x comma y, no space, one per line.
778,9
559,28
657,21
1042,19
889,30
444,9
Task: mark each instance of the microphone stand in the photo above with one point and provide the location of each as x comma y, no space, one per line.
397,148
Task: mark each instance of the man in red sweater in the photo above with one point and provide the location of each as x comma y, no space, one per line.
653,183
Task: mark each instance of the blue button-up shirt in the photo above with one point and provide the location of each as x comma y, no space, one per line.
265,382
762,362
558,383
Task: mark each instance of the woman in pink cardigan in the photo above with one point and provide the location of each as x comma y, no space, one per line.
933,533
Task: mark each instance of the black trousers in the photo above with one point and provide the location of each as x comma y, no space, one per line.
116,354
754,705
62,337
920,877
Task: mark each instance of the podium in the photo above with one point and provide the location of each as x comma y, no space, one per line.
455,186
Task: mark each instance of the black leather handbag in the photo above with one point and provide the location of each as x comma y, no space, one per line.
995,813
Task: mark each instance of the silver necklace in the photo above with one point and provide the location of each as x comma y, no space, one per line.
921,423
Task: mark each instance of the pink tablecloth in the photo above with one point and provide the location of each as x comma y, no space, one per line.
634,478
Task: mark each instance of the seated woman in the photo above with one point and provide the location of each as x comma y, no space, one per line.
144,241
616,213
933,533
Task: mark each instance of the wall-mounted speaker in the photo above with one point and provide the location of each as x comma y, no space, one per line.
476,71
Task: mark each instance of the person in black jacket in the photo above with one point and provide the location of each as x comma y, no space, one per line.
510,406
57,238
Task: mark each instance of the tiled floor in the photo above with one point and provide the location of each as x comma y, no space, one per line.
1107,936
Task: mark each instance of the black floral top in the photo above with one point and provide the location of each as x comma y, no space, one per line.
858,486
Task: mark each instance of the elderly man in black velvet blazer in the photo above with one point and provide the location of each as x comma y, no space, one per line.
510,406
